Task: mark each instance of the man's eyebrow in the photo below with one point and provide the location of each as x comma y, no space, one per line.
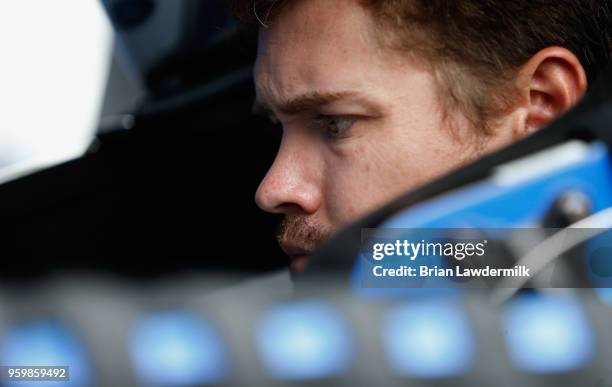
302,103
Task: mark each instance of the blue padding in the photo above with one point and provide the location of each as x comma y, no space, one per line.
304,341
46,343
430,339
178,349
548,334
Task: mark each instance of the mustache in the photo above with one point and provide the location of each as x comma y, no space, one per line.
298,230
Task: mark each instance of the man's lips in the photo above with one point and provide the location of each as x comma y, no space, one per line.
299,256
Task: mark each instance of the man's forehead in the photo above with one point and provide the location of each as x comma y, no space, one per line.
310,13
302,21
305,40
307,58
292,88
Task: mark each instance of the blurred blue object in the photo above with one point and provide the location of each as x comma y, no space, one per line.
304,341
46,343
604,294
178,349
429,339
548,334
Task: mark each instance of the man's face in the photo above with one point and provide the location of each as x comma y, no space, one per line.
361,123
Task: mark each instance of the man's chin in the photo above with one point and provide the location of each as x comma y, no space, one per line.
299,263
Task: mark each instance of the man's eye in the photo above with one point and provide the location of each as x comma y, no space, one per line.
335,126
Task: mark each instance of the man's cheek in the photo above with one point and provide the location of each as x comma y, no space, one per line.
370,172
343,197
353,193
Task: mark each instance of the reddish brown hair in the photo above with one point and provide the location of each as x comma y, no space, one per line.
476,46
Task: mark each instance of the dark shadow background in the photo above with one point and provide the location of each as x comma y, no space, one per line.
168,185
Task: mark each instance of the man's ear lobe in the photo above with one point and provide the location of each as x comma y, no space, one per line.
552,82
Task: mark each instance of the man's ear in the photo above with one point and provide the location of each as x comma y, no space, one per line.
550,83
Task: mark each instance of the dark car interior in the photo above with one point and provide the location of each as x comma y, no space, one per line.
167,185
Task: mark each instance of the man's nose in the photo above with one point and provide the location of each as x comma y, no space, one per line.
290,185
